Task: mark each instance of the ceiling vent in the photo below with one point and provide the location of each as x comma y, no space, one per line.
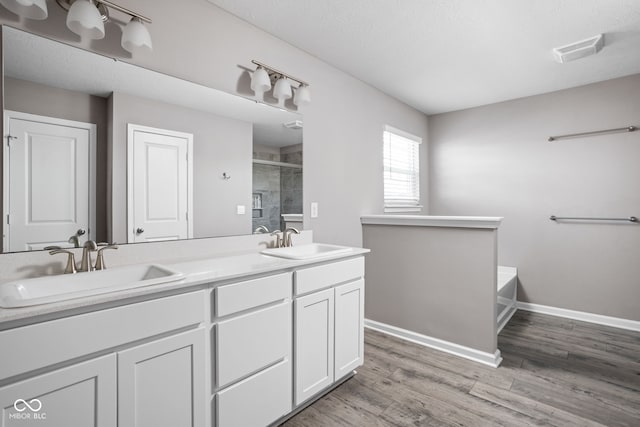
578,50
296,124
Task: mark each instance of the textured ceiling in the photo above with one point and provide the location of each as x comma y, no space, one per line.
444,55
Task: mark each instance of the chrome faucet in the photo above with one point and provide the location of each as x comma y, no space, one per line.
286,236
261,229
85,263
279,243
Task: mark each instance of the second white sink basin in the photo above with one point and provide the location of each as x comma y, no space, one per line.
42,290
310,251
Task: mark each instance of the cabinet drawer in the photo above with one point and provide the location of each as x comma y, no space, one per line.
240,296
75,336
257,401
252,341
314,278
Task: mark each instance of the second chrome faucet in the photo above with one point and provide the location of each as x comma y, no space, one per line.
285,241
86,264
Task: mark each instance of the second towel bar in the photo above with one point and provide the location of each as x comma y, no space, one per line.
629,219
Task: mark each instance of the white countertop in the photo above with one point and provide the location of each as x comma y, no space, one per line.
198,273
433,221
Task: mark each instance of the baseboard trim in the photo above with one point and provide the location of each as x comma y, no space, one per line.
490,359
616,322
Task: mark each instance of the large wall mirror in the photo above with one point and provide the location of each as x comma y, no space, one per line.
104,150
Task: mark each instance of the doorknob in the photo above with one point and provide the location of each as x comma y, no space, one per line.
139,230
81,232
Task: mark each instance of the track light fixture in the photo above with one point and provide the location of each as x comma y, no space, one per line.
265,77
86,18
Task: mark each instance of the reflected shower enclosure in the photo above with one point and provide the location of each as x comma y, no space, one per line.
277,185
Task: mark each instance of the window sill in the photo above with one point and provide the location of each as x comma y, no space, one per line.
401,209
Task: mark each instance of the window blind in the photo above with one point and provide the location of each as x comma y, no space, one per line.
401,168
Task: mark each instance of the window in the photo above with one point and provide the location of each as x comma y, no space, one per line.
401,171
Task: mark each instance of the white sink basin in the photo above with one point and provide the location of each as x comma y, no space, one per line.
310,251
42,290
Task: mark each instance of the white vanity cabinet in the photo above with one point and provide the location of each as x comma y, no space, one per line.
152,372
243,352
253,351
329,325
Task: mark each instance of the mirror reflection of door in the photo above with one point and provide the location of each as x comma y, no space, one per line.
159,184
49,182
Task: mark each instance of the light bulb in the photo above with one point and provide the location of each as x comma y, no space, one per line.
282,89
302,96
135,36
85,20
32,9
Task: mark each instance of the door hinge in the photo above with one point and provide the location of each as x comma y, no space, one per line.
8,219
10,138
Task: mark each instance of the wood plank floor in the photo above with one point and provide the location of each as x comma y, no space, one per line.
555,371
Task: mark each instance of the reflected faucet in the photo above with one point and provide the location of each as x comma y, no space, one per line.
261,229
286,236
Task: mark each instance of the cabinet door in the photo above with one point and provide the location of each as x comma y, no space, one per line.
314,344
79,395
161,383
349,328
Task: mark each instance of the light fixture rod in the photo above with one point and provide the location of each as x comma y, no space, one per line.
593,133
124,10
260,64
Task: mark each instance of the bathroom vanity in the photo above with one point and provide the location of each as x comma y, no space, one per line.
243,340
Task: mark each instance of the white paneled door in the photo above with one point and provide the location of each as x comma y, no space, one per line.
49,182
159,184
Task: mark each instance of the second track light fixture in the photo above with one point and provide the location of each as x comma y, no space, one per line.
265,77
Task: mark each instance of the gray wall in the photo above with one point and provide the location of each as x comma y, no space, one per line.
342,127
34,98
415,282
219,145
496,161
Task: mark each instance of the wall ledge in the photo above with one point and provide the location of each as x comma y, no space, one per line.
491,222
614,322
491,359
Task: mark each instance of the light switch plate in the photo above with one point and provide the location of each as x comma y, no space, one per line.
314,209
240,209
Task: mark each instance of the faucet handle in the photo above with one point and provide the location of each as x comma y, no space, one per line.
71,260
100,265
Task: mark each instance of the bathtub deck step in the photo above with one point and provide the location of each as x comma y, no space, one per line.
507,294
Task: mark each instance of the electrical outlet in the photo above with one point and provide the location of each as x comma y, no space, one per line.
314,209
240,209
